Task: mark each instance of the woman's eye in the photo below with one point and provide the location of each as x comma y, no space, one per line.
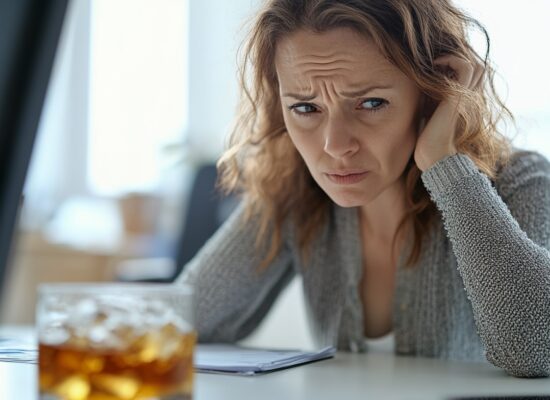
373,104
303,108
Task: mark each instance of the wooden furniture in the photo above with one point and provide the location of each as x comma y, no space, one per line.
36,261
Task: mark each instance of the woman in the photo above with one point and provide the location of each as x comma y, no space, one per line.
368,157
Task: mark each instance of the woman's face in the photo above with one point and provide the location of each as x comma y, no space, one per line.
350,113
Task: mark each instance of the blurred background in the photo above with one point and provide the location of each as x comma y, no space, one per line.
139,104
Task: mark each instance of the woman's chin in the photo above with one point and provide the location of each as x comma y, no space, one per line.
348,201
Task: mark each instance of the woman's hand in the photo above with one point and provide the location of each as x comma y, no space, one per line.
436,139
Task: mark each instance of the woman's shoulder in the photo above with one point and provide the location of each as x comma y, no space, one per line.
522,168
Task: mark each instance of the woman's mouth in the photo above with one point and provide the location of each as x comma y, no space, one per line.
347,178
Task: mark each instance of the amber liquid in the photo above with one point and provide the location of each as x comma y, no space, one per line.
148,368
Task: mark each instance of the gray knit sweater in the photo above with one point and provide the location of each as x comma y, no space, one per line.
481,288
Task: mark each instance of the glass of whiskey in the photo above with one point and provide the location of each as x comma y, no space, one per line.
115,341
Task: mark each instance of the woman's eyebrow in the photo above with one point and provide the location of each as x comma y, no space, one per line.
354,94
300,96
364,91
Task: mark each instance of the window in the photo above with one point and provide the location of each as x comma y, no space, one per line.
137,91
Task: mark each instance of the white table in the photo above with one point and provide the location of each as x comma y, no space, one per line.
348,376
375,375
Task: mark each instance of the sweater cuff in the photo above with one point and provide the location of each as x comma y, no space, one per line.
445,173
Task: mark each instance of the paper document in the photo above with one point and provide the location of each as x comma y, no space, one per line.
212,358
13,350
233,359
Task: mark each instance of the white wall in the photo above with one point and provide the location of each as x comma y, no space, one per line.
518,33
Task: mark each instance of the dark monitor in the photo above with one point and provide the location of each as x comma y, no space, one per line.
29,34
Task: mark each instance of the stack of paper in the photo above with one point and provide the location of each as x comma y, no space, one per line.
12,350
211,358
231,359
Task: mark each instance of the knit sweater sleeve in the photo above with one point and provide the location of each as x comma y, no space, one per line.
231,293
501,240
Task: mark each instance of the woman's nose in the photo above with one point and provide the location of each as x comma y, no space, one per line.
339,139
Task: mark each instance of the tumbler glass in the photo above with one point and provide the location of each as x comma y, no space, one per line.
115,341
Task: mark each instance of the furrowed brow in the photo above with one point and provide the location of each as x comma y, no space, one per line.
353,94
301,97
364,91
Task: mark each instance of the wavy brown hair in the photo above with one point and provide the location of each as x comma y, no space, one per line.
262,162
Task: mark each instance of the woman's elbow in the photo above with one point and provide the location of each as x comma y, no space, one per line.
533,363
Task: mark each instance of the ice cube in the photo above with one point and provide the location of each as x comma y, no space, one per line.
119,386
101,337
75,387
54,335
98,334
122,314
149,347
92,363
83,314
170,340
